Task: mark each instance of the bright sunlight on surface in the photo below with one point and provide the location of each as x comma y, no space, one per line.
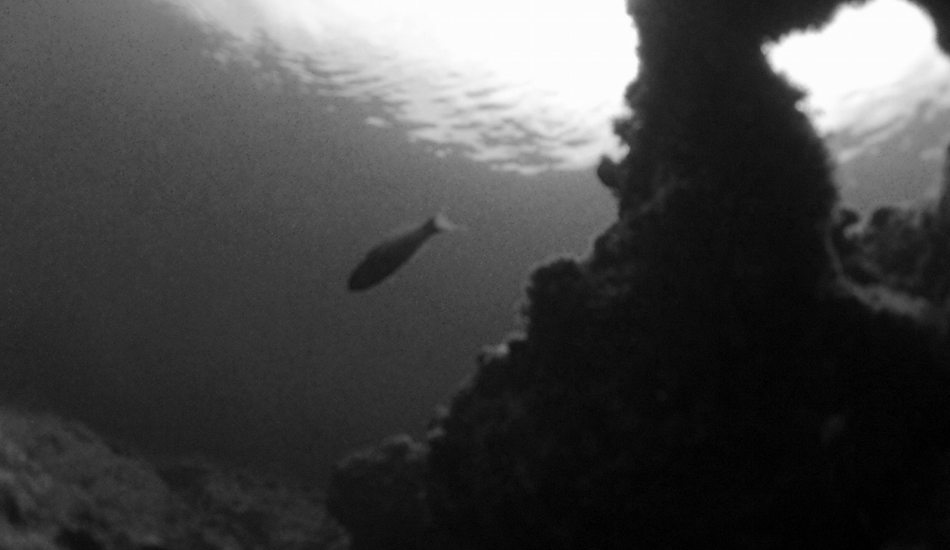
531,85
524,85
863,55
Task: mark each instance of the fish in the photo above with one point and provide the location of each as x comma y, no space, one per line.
391,254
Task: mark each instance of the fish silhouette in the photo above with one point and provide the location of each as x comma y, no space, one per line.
388,256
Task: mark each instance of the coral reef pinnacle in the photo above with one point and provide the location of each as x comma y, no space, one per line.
717,372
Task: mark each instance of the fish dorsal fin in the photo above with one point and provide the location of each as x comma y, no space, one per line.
440,222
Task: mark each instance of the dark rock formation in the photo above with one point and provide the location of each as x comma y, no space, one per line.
380,495
709,376
940,13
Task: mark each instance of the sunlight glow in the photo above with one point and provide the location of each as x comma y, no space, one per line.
526,85
862,54
572,47
531,85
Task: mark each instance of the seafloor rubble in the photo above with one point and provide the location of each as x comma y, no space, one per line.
738,363
63,487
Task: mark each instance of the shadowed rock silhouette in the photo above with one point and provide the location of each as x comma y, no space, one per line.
709,376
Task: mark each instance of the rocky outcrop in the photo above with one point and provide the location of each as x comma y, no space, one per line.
63,487
380,494
904,247
710,376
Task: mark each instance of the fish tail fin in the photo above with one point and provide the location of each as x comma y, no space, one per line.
440,222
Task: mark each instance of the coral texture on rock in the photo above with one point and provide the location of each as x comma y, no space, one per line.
732,366
904,247
63,487
383,484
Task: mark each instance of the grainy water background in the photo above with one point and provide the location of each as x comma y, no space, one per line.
176,229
